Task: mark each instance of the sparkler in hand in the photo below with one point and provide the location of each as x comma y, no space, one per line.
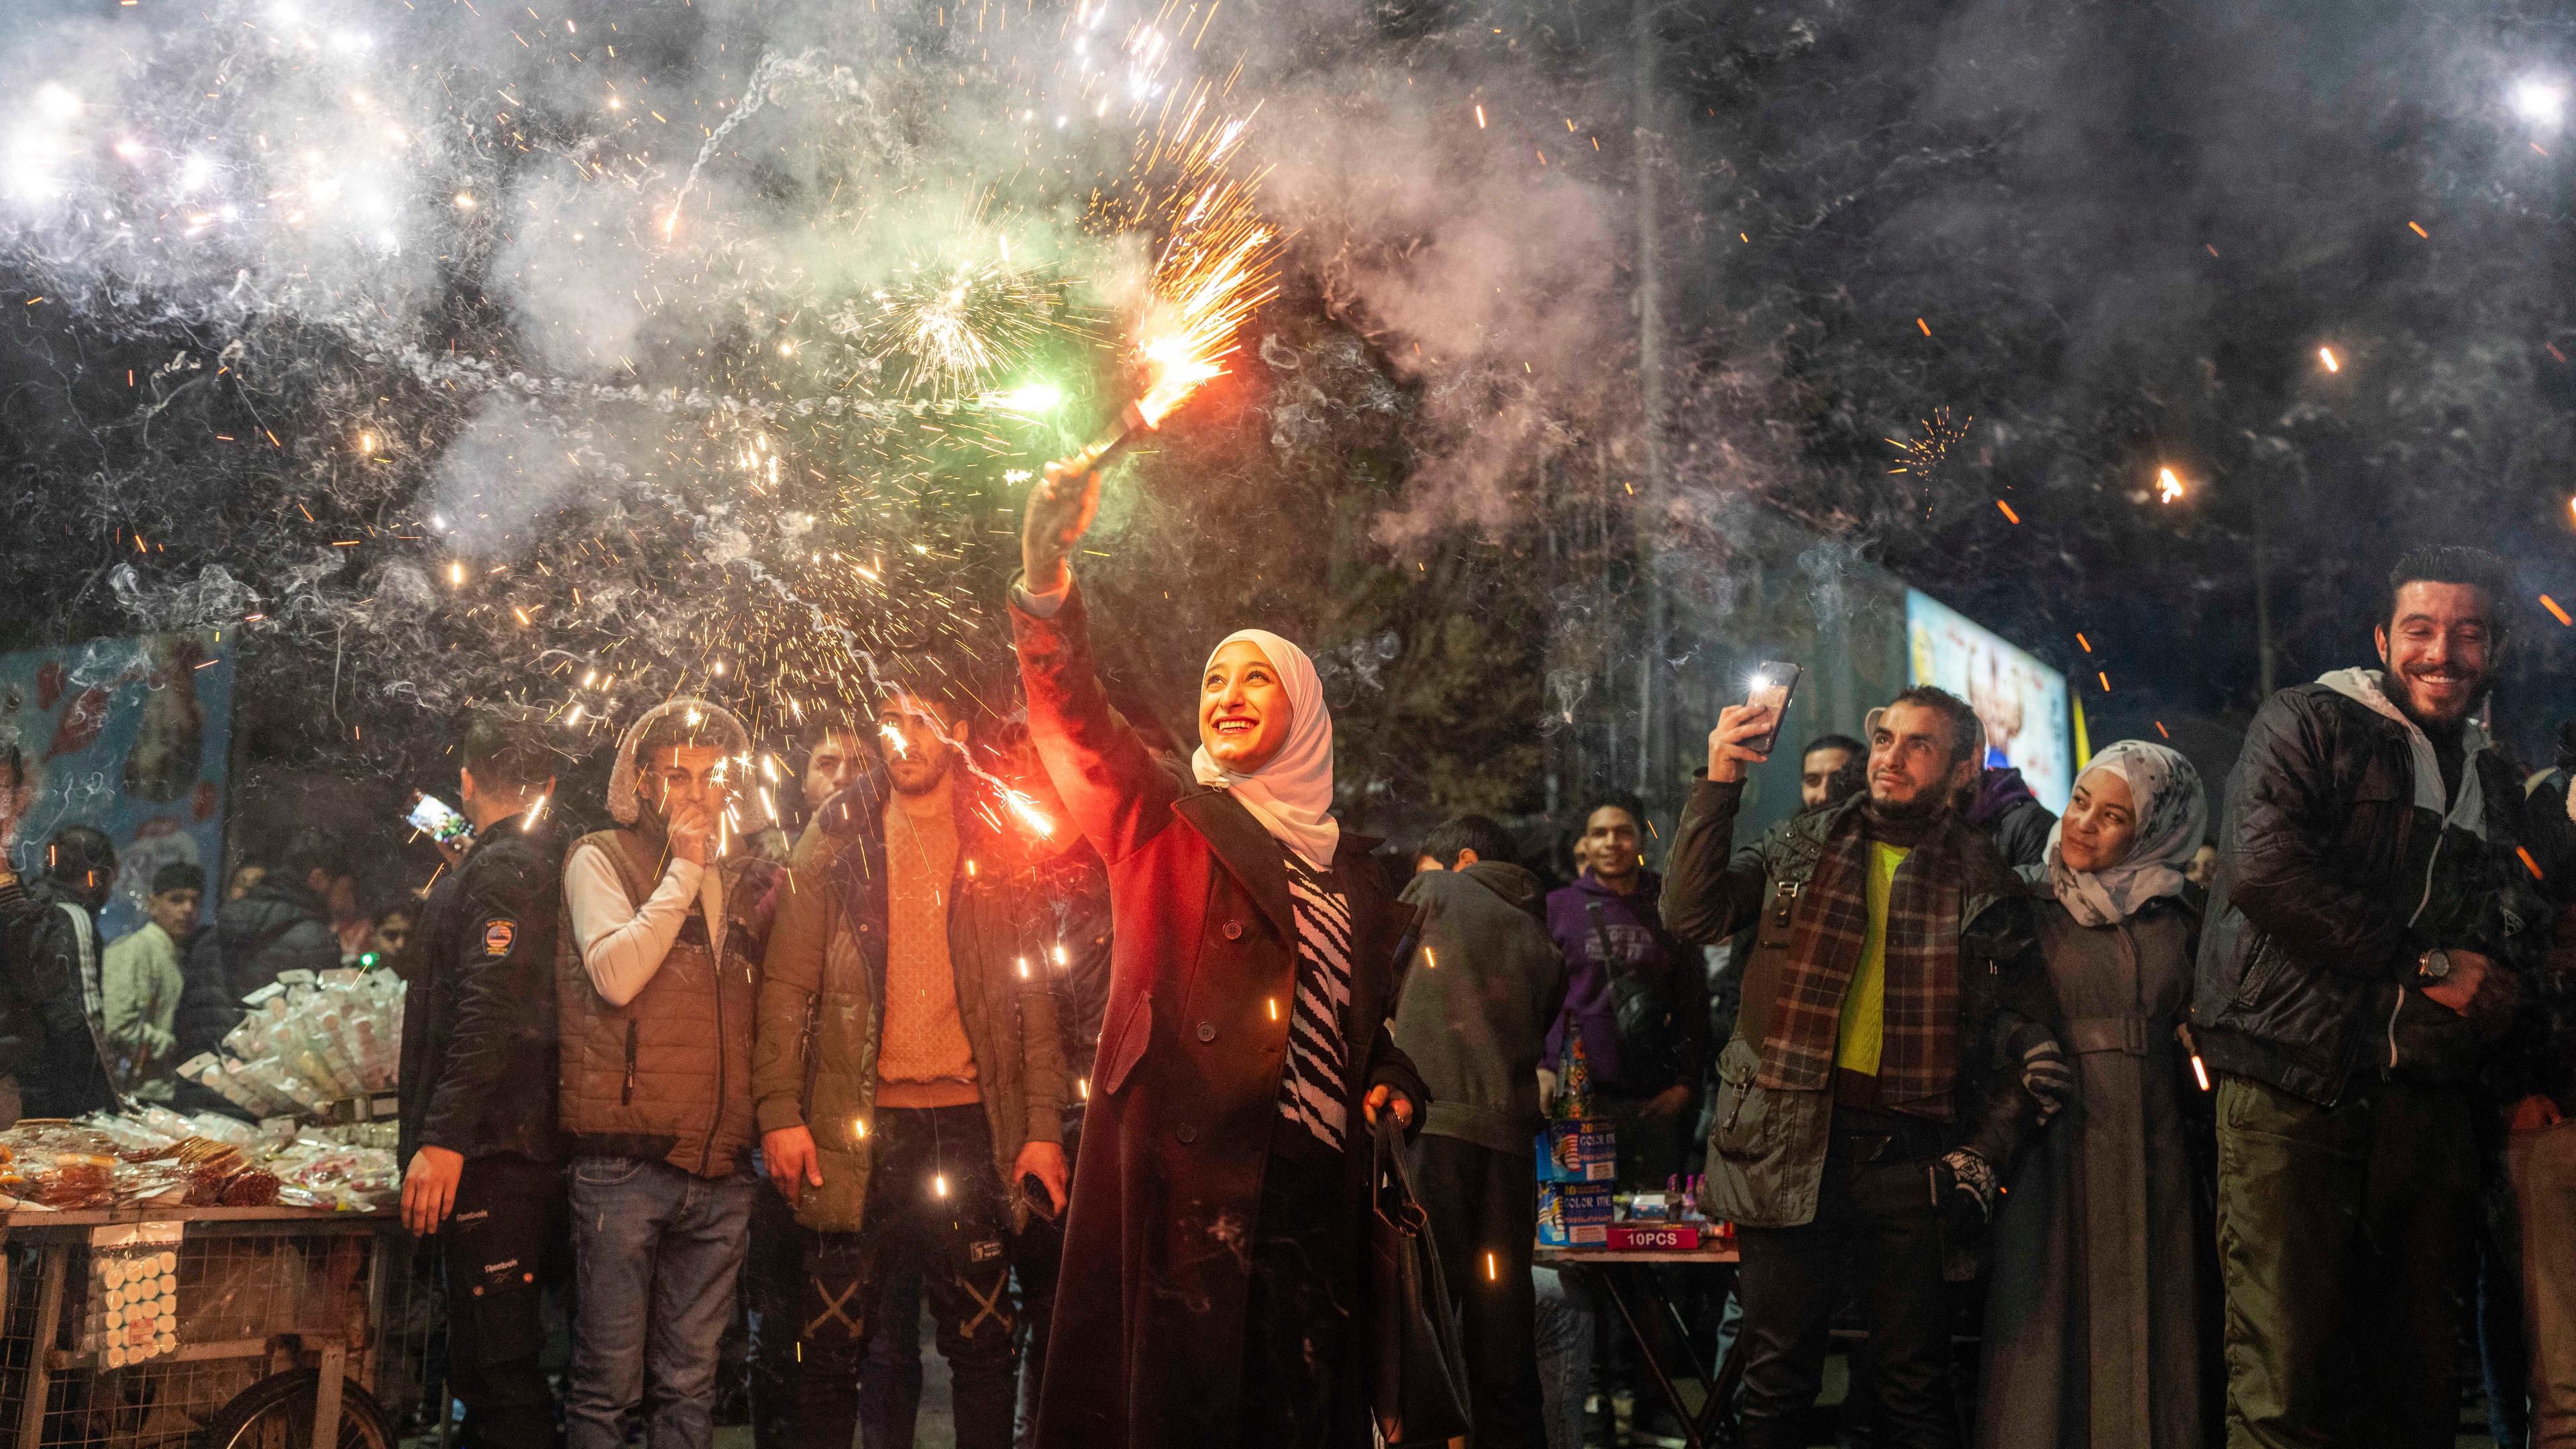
1221,263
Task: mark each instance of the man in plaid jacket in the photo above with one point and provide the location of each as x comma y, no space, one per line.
1890,1055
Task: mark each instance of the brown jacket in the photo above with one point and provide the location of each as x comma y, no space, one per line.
822,999
667,1076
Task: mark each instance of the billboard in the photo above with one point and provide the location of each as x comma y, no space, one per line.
2022,701
131,736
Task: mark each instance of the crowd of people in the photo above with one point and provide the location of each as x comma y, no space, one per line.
1087,1043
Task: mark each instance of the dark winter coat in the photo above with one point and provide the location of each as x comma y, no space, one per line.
1147,1348
22,997
478,1051
2096,1312
277,926
70,1075
1485,987
1766,1153
2011,817
2332,883
1677,972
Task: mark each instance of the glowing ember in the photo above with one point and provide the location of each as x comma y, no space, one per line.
2168,485
2326,356
1029,815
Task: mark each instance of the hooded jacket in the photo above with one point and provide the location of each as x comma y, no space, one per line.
1636,932
666,1076
1487,982
2336,873
822,999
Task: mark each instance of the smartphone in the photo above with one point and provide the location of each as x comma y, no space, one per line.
437,819
1773,683
1035,1191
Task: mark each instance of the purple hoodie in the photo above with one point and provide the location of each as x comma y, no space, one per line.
1644,947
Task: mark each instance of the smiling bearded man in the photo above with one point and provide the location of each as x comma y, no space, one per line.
2371,921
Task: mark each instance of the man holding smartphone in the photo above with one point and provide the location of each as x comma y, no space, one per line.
1889,1056
478,1085
909,1074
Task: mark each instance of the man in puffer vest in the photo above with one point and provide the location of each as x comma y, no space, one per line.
656,983
910,1073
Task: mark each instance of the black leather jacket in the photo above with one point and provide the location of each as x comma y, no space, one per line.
2331,884
479,1053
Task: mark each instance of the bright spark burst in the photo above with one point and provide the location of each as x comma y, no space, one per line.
1026,808
1218,265
2168,485
1924,456
955,323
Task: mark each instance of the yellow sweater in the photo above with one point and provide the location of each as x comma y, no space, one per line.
1862,1032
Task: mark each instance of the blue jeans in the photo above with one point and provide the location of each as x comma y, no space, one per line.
655,1251
1567,1321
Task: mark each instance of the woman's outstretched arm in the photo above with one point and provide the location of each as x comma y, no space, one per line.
1119,795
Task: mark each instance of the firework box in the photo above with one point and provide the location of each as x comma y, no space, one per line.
1581,1150
1643,1237
1574,1215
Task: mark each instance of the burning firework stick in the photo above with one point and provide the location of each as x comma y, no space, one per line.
1132,424
1220,265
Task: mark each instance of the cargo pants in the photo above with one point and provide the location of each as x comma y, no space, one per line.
2344,1238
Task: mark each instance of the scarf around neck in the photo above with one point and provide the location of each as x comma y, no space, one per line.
2172,812
1918,1066
1291,794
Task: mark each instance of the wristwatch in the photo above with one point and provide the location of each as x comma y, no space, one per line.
2434,965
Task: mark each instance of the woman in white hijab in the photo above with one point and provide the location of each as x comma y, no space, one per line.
1213,1257
2096,1318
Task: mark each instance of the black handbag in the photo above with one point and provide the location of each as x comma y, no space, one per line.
1649,1039
1418,1378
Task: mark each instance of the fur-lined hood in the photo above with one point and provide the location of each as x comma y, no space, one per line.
716,725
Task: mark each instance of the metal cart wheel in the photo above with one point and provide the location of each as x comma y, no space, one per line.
278,1411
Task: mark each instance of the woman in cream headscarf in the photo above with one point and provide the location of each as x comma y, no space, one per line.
2096,1319
1213,1259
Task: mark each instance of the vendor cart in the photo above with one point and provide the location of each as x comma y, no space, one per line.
278,1337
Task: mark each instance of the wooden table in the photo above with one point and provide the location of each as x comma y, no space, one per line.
1641,1301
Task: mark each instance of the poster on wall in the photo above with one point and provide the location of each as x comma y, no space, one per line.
130,736
2021,701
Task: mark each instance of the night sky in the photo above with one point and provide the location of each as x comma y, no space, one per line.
482,350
